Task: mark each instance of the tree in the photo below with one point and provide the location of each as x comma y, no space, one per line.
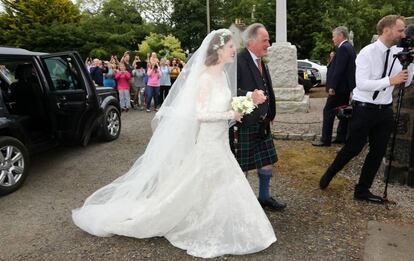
165,46
158,12
189,20
359,16
114,29
33,25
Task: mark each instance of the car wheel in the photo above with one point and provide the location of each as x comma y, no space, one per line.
14,164
112,123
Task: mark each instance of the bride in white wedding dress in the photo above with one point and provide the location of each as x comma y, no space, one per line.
187,186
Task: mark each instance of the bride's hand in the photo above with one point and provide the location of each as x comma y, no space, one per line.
238,116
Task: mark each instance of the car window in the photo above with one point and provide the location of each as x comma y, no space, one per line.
63,73
7,71
304,64
316,61
301,64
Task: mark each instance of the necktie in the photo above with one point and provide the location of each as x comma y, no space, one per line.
259,65
384,72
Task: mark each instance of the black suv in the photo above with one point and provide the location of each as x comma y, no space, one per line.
46,100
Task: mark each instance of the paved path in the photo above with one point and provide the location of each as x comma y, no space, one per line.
389,242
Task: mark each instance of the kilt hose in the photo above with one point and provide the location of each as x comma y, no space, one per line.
252,150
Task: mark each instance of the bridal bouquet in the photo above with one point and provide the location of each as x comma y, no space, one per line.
243,104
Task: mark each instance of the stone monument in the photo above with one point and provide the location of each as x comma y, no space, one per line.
290,96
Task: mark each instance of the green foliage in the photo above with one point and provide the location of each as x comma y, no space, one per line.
360,17
116,28
100,53
34,25
58,25
165,46
189,22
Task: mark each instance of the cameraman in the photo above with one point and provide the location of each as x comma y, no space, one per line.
372,117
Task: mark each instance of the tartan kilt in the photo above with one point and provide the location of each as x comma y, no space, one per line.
253,151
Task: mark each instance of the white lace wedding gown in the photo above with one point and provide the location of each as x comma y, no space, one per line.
207,207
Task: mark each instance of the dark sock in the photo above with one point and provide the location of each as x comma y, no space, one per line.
264,181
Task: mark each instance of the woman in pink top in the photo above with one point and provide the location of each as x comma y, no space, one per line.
122,77
153,85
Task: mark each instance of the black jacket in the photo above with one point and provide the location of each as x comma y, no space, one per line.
97,75
341,70
249,79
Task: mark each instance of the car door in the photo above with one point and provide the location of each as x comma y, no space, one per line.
69,99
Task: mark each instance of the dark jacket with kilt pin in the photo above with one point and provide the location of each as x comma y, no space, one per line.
254,144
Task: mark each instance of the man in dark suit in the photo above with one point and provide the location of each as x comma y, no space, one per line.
339,84
252,143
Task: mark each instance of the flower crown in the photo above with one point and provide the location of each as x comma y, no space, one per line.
222,38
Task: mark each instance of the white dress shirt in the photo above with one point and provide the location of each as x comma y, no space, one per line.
254,57
368,76
342,43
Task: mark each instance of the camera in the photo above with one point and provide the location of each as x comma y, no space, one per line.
155,66
406,43
405,56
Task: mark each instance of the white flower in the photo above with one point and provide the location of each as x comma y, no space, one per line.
243,104
222,36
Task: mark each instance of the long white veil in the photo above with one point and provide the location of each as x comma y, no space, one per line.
175,129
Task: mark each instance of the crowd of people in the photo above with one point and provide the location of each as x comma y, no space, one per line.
143,85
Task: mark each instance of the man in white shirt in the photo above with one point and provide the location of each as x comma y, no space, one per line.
372,117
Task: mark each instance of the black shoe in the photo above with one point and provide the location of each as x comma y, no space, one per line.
326,179
319,143
272,204
369,197
338,142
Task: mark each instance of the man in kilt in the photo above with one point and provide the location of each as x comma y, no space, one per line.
251,140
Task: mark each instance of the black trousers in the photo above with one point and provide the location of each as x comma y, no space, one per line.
329,113
163,93
371,125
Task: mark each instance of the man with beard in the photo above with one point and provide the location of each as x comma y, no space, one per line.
372,117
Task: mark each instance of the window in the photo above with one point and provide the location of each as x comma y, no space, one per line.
304,64
63,73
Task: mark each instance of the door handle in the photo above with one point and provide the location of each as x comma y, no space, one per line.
61,101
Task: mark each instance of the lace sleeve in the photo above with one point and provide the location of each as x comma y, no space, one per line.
203,101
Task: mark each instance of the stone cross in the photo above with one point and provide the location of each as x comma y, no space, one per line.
281,28
290,96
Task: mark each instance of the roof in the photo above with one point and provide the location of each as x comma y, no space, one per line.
17,51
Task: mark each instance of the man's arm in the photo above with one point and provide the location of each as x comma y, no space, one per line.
363,74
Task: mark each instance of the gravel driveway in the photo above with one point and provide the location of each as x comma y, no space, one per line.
36,220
